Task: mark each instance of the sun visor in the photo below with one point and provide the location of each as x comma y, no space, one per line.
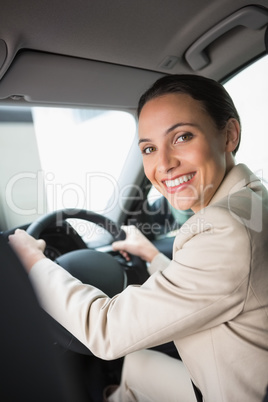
40,78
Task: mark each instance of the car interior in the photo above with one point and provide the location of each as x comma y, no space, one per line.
71,75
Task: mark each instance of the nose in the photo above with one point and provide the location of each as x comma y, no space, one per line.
167,160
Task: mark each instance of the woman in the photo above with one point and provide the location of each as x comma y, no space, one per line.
212,298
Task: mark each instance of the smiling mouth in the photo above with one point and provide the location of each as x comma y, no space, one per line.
179,180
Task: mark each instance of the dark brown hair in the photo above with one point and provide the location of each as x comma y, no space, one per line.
214,97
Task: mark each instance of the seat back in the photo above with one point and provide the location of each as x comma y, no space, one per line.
30,367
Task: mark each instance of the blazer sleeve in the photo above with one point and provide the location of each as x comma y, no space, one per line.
203,286
159,263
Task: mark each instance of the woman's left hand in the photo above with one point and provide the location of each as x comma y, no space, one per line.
135,243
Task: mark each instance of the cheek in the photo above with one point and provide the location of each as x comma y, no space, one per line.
150,173
206,155
147,169
212,164
198,156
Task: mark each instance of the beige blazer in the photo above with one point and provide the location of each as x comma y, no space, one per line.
211,299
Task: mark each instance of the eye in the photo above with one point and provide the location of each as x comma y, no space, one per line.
148,150
184,137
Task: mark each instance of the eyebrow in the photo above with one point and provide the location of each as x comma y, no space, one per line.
169,130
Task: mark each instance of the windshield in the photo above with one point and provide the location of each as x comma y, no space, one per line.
82,153
53,158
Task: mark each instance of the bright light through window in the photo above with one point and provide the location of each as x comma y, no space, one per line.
82,153
249,91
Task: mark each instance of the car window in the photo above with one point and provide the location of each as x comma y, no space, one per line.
249,91
53,158
79,155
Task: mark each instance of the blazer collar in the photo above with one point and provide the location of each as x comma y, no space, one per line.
239,176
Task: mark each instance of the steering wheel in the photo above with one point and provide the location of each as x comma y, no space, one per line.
92,267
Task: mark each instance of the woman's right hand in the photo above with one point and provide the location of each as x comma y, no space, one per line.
135,243
28,249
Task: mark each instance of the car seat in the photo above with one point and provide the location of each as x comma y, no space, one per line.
31,369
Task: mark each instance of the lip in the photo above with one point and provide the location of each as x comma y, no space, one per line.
180,186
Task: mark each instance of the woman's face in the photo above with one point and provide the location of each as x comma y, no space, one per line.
184,154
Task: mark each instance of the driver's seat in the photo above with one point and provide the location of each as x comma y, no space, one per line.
31,369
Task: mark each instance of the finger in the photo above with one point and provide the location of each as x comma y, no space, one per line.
18,231
41,244
129,229
118,245
125,255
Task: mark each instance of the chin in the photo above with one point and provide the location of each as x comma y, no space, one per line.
181,203
181,206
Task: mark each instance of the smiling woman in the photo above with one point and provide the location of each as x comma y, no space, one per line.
69,68
212,293
188,138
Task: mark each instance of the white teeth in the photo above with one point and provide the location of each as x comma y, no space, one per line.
179,180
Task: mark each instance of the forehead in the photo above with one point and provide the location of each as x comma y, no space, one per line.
167,110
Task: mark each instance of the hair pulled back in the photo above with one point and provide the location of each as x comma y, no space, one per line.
214,97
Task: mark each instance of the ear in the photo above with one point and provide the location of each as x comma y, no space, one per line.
232,134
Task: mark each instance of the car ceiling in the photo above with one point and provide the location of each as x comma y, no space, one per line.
150,35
